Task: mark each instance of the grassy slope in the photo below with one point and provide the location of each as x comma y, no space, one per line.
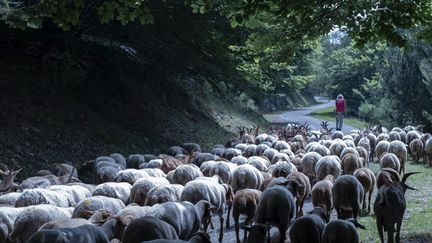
416,226
328,114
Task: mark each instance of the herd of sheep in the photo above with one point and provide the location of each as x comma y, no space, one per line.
172,197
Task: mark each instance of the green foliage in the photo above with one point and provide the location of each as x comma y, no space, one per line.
69,14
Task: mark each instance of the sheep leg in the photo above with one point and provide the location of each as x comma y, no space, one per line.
398,228
390,234
370,196
301,206
228,216
380,229
356,210
236,225
338,211
364,201
221,233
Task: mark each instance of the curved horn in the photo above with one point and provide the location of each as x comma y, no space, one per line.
394,174
408,174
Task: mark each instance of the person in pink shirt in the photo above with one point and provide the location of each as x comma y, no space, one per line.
340,111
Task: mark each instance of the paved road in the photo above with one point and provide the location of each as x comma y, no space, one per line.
303,115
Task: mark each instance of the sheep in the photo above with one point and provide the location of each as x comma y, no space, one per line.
241,146
348,195
169,163
276,207
185,173
200,236
63,169
185,217
303,190
261,163
337,147
309,228
246,176
106,173
109,230
44,181
77,192
119,158
82,209
155,229
309,161
281,145
394,136
270,153
341,231
381,148
245,202
383,137
175,150
416,149
250,150
154,164
224,170
280,157
349,163
364,156
349,150
296,163
373,142
38,196
386,176
8,215
368,181
337,135
229,153
365,143
200,158
192,147
239,160
209,189
164,193
389,207
120,190
140,189
390,160
322,194
328,165
132,175
31,218
400,150
428,150
89,187
9,198
64,223
206,167
411,135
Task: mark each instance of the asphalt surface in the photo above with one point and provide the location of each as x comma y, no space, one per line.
303,115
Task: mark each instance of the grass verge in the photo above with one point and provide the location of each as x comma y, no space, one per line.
416,226
327,114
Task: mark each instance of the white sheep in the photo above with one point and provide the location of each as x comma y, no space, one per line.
328,165
185,173
246,176
91,204
120,190
32,218
164,193
38,196
141,187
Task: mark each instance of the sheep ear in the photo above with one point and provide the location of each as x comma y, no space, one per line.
125,220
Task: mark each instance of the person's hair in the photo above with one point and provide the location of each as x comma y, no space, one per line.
340,96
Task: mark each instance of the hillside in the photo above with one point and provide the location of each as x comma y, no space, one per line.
93,99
